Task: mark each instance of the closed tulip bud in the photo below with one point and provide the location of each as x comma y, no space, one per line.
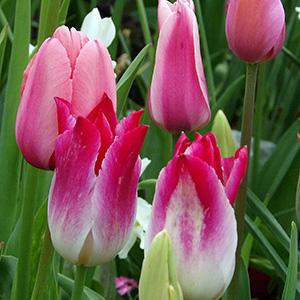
223,133
159,276
93,195
255,29
178,98
193,202
67,66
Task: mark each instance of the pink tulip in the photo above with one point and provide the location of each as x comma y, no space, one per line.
92,200
255,29
193,202
178,97
68,66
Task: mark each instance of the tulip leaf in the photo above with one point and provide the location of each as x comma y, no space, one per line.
291,279
279,162
67,284
124,84
3,38
147,183
260,210
270,252
7,272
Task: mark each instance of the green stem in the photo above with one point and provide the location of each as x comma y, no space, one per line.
44,264
10,158
79,283
240,204
257,126
175,137
27,221
145,28
204,46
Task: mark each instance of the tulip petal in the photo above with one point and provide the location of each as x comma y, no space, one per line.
234,171
178,97
93,76
201,223
114,205
129,123
70,205
35,136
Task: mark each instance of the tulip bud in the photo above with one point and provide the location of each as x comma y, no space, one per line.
178,98
159,276
255,29
222,131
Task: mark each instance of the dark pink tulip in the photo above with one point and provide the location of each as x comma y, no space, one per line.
255,29
178,97
193,202
92,200
68,66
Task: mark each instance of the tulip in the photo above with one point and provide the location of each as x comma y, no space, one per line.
193,202
223,133
255,29
97,28
67,66
159,276
93,195
178,98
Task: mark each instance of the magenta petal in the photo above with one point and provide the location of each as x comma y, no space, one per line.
70,205
65,119
129,123
234,171
93,76
36,124
114,205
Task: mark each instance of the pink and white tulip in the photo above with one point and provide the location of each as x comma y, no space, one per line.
178,98
93,195
255,29
67,66
193,202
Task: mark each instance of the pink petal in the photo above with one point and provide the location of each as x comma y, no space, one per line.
36,124
129,123
72,189
234,171
114,205
93,76
72,40
178,98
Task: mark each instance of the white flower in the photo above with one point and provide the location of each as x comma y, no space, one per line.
297,9
97,28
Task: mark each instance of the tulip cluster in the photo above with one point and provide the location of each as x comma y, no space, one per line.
193,202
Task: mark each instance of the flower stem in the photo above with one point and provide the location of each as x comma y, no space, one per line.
27,220
204,45
175,137
79,283
44,264
240,204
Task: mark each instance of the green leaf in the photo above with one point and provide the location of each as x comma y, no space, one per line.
291,279
7,272
67,284
279,162
148,183
258,208
270,252
124,84
3,38
63,11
